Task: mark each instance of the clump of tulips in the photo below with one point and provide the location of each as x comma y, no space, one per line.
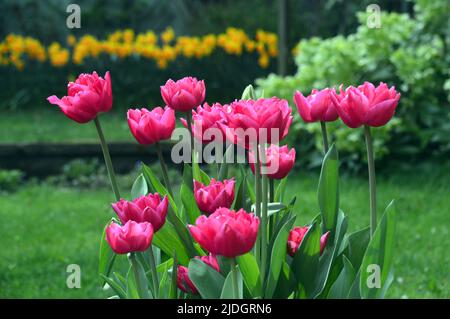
238,236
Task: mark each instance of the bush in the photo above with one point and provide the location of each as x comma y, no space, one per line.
409,53
10,180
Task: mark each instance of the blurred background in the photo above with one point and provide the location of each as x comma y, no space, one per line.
54,194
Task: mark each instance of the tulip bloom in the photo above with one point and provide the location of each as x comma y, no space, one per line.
367,105
183,280
129,238
148,208
207,117
279,161
88,96
317,107
259,117
296,236
215,195
150,127
226,232
183,95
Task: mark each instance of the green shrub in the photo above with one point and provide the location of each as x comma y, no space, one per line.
10,180
409,53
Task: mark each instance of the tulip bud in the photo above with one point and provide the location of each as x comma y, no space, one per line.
279,161
296,236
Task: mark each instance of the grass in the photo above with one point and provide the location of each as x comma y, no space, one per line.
45,228
50,125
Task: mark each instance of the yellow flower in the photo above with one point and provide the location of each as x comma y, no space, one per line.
168,35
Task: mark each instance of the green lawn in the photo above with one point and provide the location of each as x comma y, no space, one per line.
50,125
45,228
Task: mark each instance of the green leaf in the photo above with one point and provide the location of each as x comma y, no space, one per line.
278,255
106,256
223,172
168,241
238,202
207,280
173,283
189,203
250,273
328,256
187,176
139,187
328,191
228,291
115,286
343,283
279,193
306,260
380,252
132,291
248,93
250,190
356,246
158,186
197,173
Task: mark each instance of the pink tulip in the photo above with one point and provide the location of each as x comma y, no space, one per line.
183,280
296,236
279,161
130,237
316,107
367,105
259,117
149,127
148,208
88,96
183,95
216,194
207,117
226,232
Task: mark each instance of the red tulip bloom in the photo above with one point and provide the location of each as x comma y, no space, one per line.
183,95
279,161
318,106
183,280
215,195
367,105
148,208
88,96
207,117
296,236
258,117
226,232
149,127
130,237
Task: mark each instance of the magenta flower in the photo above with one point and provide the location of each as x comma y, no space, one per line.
215,195
150,127
226,232
148,208
88,96
183,95
129,238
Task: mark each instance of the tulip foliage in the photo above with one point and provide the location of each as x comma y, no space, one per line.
237,235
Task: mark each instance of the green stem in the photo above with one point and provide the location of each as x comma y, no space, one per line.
323,126
234,277
189,125
164,169
107,157
139,277
372,182
258,201
154,274
272,219
264,218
